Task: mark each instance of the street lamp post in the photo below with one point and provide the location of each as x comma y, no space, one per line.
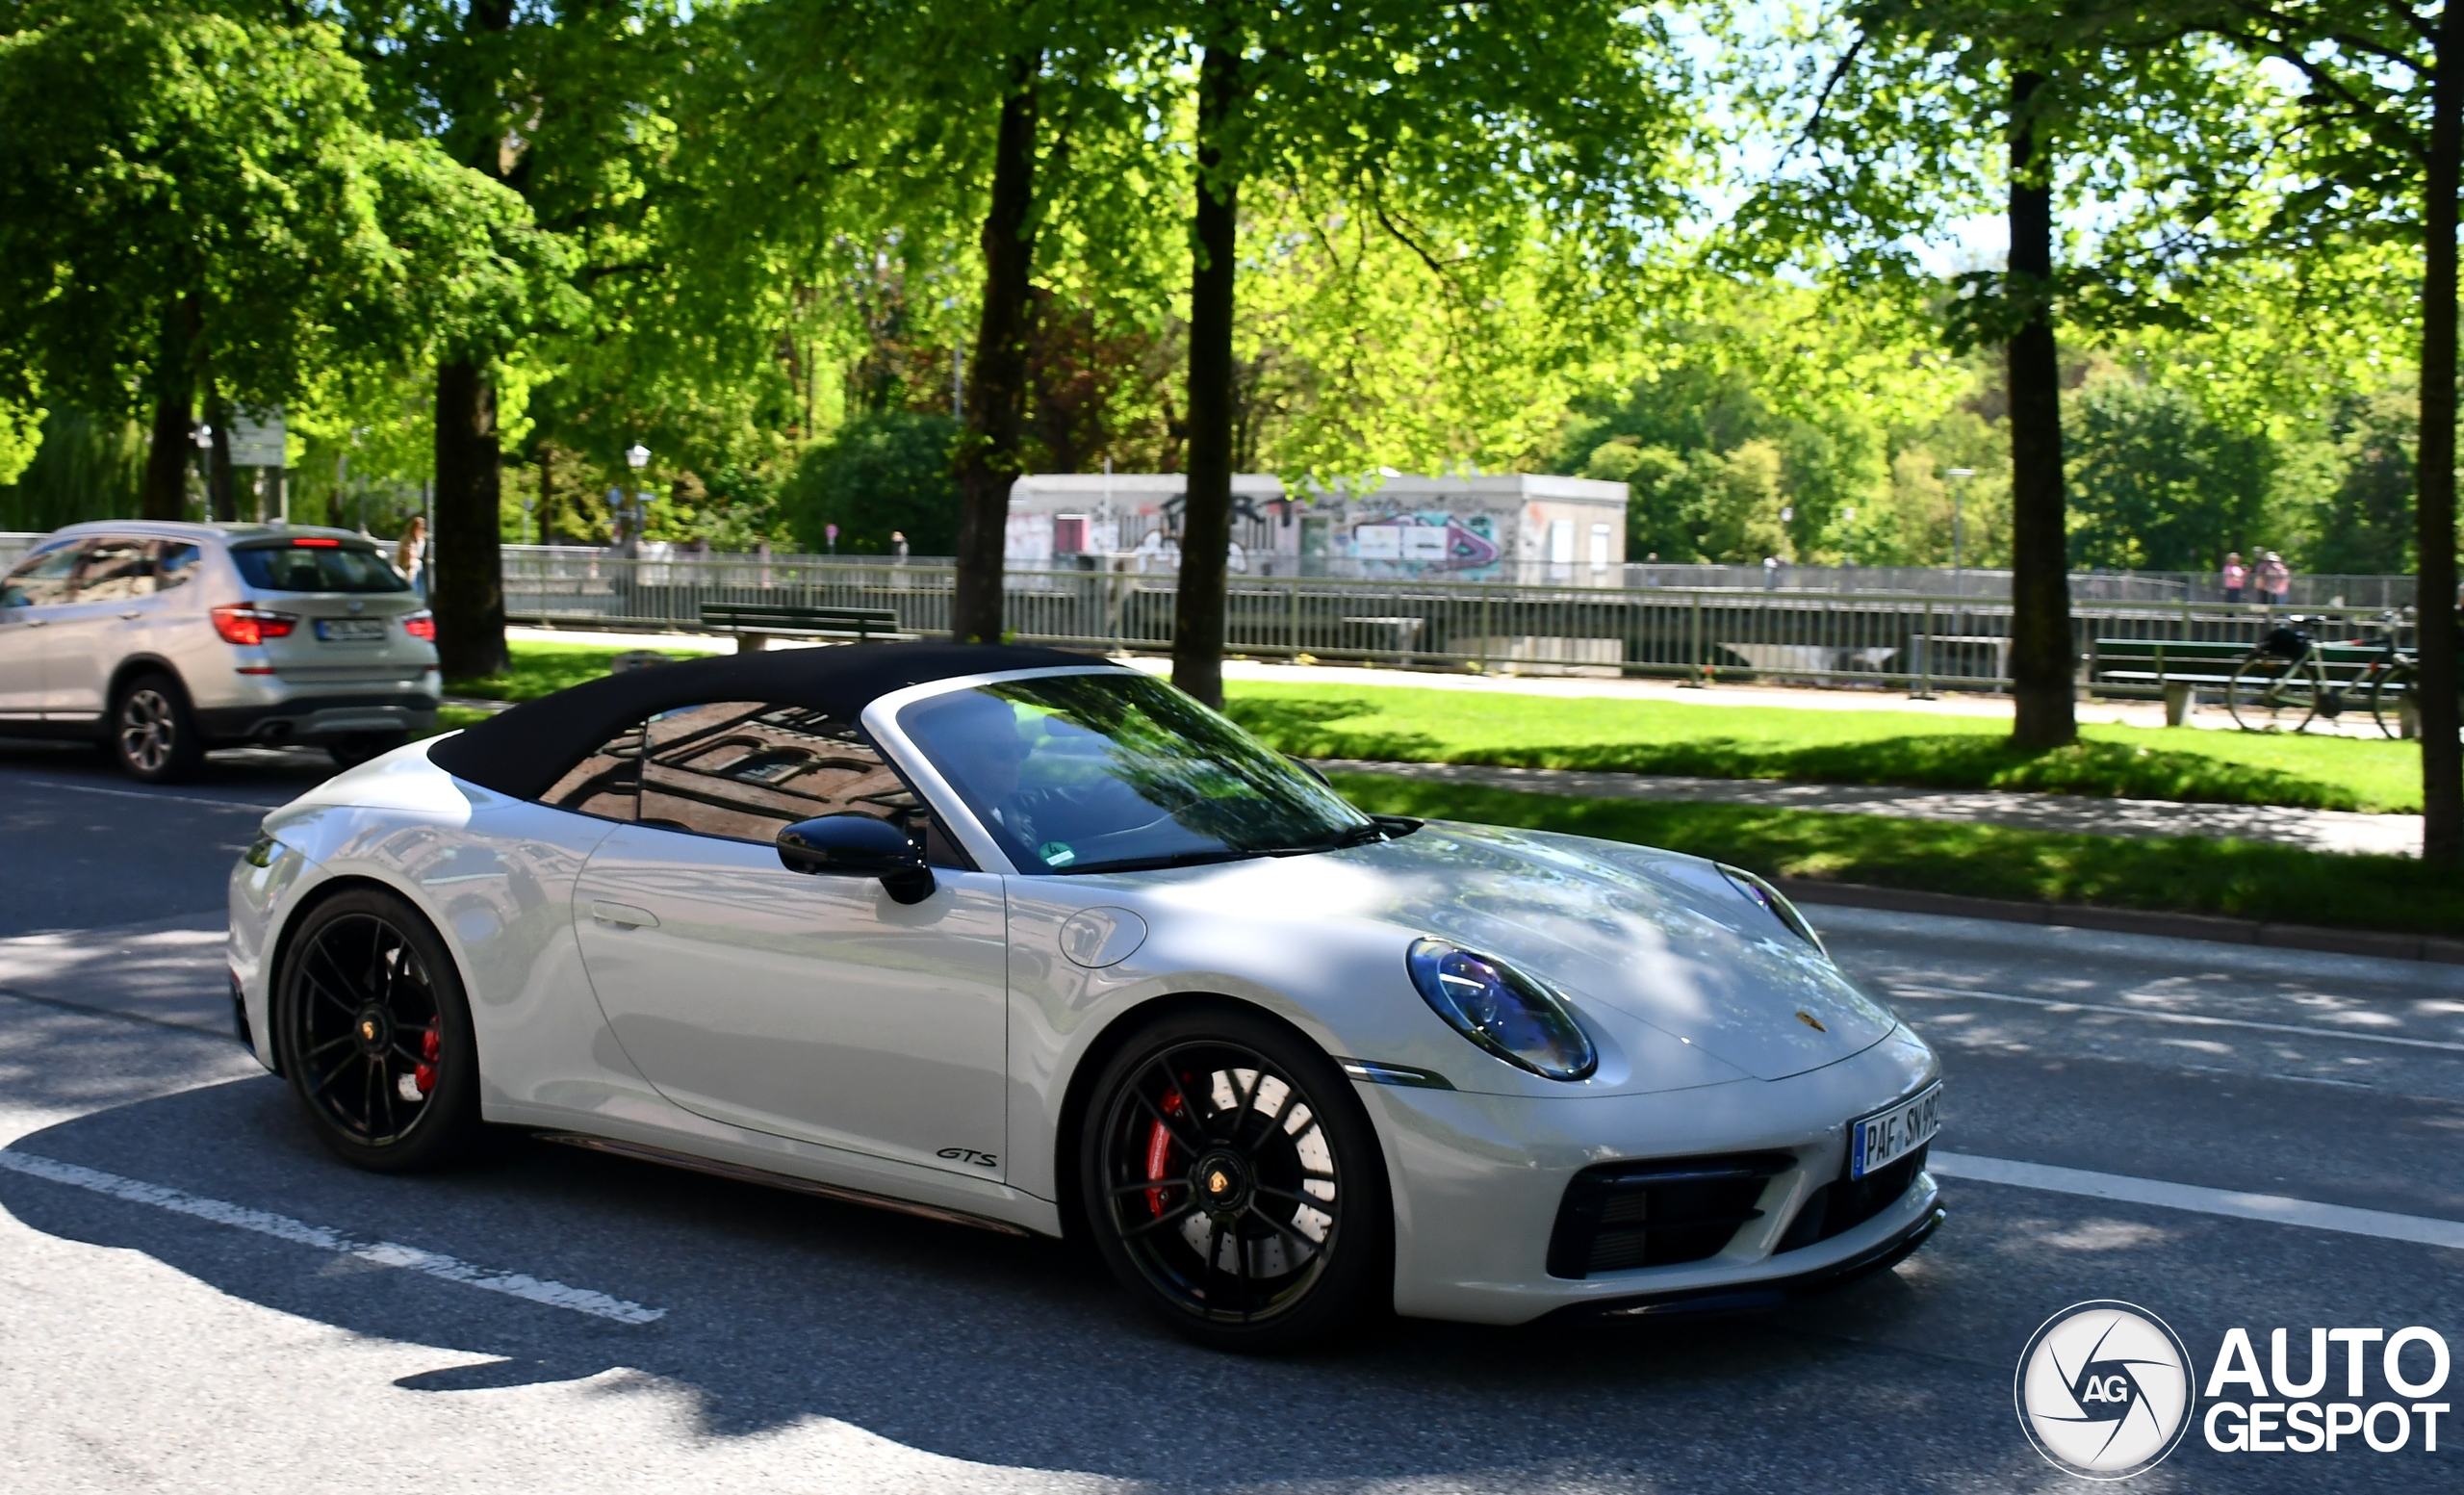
1959,490
636,457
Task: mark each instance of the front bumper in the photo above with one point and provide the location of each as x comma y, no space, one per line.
1479,1181
321,718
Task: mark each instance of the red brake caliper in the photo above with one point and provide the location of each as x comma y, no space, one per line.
425,1075
1159,1151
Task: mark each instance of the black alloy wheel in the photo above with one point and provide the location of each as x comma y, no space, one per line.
153,733
2271,693
377,1034
1232,1181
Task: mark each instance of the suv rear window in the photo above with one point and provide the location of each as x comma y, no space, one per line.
296,567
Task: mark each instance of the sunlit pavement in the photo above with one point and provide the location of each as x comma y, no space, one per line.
194,1296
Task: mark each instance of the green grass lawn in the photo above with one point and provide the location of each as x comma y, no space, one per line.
2184,874
542,669
1879,746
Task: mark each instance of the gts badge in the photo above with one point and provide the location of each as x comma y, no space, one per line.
971,1155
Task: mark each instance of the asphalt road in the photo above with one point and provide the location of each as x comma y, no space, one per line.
194,1296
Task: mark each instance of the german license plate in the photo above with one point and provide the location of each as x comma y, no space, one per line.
1878,1141
351,631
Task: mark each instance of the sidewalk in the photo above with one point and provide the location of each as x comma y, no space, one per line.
2314,830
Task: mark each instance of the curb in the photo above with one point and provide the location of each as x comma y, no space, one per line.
2432,948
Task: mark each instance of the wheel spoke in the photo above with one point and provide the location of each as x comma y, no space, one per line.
367,1099
1325,1207
325,1048
1169,1125
1240,1264
384,1092
1150,1185
1168,1217
333,1073
1214,1256
1248,1103
332,965
1312,1248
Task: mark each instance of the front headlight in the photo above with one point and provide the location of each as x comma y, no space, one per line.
1505,1012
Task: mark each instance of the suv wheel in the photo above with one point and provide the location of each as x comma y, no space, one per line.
153,733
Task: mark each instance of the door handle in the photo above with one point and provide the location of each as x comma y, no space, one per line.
134,612
623,916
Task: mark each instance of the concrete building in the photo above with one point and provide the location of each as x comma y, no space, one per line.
1511,527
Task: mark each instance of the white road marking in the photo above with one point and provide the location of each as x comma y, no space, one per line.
2273,1208
282,1228
2195,1019
177,799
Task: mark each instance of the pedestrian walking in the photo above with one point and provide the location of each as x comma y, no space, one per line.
2237,577
410,555
2275,580
898,544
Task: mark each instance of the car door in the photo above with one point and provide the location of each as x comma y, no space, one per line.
35,592
90,635
811,1007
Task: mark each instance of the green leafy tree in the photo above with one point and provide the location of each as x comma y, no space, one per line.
197,197
879,475
2378,153
1923,110
1450,126
2155,485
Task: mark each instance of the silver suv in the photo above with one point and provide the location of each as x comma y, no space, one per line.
162,640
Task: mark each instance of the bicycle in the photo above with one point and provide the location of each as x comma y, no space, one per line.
2284,678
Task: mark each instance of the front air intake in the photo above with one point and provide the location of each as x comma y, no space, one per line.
1618,1216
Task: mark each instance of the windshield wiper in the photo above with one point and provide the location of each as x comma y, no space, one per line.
1178,859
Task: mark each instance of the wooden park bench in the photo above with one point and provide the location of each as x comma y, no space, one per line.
753,624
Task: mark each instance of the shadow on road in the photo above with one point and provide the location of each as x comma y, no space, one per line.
780,1308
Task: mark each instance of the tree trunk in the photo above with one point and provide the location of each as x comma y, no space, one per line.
2442,761
166,493
467,589
218,504
988,460
2042,682
1206,510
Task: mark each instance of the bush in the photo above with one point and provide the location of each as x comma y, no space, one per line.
882,473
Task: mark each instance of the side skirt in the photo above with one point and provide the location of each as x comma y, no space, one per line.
741,1174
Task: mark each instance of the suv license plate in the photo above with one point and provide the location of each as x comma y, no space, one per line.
1878,1141
351,631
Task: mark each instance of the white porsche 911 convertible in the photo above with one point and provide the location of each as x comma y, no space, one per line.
1022,939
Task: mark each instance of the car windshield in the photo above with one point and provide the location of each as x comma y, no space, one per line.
307,567
1117,771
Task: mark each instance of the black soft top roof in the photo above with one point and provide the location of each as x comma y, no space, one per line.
523,751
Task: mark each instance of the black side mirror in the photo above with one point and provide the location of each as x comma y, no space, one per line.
853,845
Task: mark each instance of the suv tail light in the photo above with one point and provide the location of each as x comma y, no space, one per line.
420,626
250,626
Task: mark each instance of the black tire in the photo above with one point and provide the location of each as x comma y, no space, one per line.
1302,1243
376,1034
2268,694
151,732
360,746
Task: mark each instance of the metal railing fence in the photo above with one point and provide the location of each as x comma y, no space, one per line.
2311,591
1917,642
